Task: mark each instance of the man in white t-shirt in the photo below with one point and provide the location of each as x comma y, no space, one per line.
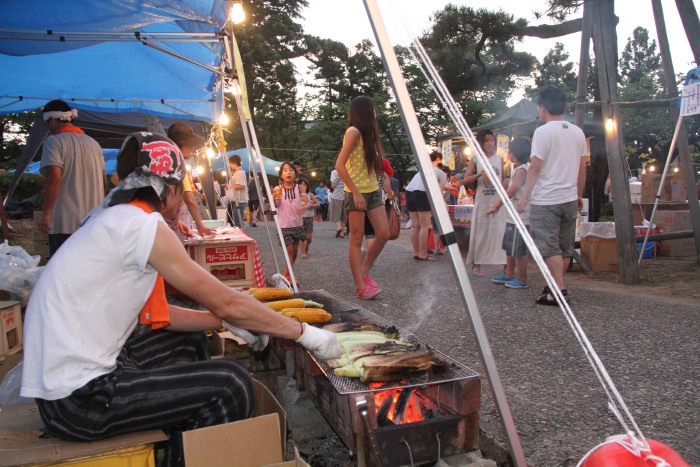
554,186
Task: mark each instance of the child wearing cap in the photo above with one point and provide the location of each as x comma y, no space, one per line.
513,244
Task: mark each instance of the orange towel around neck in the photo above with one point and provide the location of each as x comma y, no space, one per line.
69,129
155,311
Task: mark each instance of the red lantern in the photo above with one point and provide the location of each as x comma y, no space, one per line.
622,451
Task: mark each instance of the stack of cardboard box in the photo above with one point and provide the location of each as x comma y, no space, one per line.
675,221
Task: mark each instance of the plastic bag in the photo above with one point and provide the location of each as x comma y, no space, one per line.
10,386
18,272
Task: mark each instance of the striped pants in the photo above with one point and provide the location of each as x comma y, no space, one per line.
162,380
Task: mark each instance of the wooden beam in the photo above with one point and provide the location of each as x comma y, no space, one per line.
643,104
685,161
584,58
605,46
691,24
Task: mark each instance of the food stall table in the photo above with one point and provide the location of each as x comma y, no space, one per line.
231,256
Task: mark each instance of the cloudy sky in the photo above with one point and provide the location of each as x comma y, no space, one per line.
346,21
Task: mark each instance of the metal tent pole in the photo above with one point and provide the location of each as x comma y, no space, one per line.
246,135
661,185
448,236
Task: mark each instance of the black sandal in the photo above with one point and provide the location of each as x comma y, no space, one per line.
337,233
543,299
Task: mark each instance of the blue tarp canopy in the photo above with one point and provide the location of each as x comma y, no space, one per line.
92,54
110,156
271,166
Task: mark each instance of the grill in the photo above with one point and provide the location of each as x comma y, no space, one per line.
450,400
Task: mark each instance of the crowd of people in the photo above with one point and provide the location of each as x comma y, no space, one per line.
98,371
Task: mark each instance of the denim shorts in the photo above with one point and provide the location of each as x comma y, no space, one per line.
417,201
373,200
554,228
513,242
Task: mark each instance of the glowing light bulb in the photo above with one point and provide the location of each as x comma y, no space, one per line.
277,169
223,173
609,125
652,168
237,14
188,167
467,151
313,173
675,170
200,169
209,152
223,119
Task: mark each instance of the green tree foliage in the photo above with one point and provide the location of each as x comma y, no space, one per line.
474,51
647,130
555,70
13,131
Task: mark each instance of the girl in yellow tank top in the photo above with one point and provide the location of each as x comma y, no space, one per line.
359,164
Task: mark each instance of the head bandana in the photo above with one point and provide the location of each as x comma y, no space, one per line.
65,116
159,163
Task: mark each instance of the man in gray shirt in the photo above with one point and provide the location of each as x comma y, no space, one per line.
74,169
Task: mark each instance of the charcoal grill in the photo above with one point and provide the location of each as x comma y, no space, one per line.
453,396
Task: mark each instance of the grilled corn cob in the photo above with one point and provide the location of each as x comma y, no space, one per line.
280,305
270,293
388,367
308,315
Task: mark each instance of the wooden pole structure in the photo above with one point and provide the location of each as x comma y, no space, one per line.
584,58
691,24
685,161
605,46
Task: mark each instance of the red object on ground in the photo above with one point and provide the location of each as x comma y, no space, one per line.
614,454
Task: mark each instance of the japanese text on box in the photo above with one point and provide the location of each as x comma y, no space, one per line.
226,254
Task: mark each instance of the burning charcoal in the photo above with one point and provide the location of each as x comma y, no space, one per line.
401,404
383,414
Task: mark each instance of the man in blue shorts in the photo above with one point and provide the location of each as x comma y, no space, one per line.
554,186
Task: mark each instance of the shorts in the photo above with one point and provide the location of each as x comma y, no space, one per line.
308,225
372,200
337,213
253,204
417,201
294,235
554,228
513,242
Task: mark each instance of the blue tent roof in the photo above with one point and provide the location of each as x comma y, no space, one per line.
119,75
110,156
271,165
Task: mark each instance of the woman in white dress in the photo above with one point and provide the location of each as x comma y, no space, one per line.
486,232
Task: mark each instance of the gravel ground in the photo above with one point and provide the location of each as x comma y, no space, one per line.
647,338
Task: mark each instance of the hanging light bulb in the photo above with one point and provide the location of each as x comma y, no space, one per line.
651,168
223,119
313,174
675,170
609,125
223,173
209,152
200,169
188,167
237,14
277,168
467,150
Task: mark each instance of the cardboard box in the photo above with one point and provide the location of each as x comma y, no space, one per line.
680,247
678,192
253,442
650,186
230,262
672,221
21,442
600,253
10,327
226,345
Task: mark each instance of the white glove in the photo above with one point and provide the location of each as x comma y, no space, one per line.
257,342
323,344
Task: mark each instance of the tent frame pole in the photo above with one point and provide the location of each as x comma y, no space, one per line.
439,209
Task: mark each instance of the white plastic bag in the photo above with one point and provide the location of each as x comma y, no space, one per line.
18,272
10,386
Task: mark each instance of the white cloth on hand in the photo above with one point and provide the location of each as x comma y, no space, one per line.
323,344
257,342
